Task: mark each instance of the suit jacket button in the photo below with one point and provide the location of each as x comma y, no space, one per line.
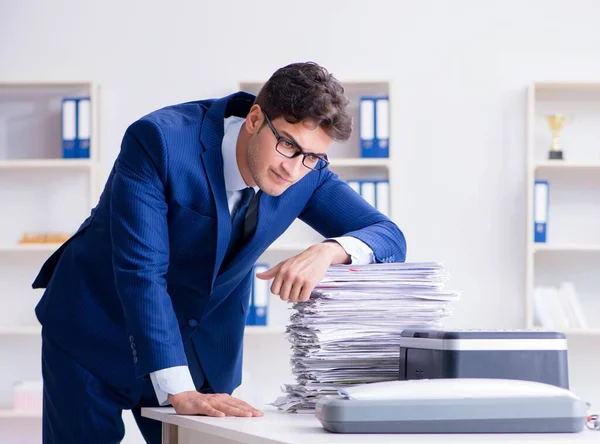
133,345
134,352
193,322
135,359
130,338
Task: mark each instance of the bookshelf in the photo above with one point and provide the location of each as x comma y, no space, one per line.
40,191
572,248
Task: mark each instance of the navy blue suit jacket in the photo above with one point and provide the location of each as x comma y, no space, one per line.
147,266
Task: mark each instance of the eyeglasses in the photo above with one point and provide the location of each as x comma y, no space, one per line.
291,149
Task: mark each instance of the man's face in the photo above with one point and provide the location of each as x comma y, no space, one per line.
272,171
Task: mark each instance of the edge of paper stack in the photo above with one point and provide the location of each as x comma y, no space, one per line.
348,332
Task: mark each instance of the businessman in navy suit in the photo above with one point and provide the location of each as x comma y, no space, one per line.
146,304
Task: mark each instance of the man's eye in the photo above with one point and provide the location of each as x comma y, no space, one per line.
287,144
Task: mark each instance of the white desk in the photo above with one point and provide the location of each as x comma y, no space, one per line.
279,427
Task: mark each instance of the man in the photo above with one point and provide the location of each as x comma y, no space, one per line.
146,304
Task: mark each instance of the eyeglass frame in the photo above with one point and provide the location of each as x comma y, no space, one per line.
299,151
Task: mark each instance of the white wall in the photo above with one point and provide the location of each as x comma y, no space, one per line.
459,71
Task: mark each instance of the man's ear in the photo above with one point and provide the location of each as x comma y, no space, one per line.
254,119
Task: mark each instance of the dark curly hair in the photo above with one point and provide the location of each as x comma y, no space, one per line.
307,92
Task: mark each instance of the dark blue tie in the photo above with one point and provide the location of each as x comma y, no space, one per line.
237,226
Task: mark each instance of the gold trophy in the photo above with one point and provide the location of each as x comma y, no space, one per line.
556,123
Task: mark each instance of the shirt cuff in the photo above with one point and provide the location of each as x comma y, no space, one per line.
171,381
360,253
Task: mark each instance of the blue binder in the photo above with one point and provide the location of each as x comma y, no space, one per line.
259,304
69,127
367,126
368,192
382,197
355,185
83,127
540,210
382,127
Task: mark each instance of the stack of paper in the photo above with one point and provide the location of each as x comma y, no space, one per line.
348,332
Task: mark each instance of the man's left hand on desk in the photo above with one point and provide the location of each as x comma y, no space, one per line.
295,278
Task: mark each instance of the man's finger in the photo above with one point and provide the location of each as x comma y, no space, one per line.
232,410
239,403
284,293
295,292
305,294
245,405
269,274
204,408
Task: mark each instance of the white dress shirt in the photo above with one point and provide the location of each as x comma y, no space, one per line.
174,380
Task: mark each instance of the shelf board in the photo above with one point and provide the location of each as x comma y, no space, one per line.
34,330
566,247
9,413
360,162
35,164
290,247
566,85
559,164
264,330
22,248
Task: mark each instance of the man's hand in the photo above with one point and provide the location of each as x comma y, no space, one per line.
196,403
295,278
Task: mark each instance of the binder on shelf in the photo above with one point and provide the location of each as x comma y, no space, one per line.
375,192
382,197
83,127
540,211
259,303
367,126
367,191
382,127
69,127
355,185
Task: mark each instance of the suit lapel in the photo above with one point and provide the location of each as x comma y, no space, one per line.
211,137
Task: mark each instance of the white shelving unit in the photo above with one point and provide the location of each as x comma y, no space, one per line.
572,250
40,191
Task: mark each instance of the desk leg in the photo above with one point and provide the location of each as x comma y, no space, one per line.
170,434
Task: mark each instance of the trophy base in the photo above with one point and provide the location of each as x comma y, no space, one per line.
555,155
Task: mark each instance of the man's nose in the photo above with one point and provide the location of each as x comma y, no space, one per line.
293,167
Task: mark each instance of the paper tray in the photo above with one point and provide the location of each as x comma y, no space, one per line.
524,415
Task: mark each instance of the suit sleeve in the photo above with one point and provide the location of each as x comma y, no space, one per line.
335,210
140,243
